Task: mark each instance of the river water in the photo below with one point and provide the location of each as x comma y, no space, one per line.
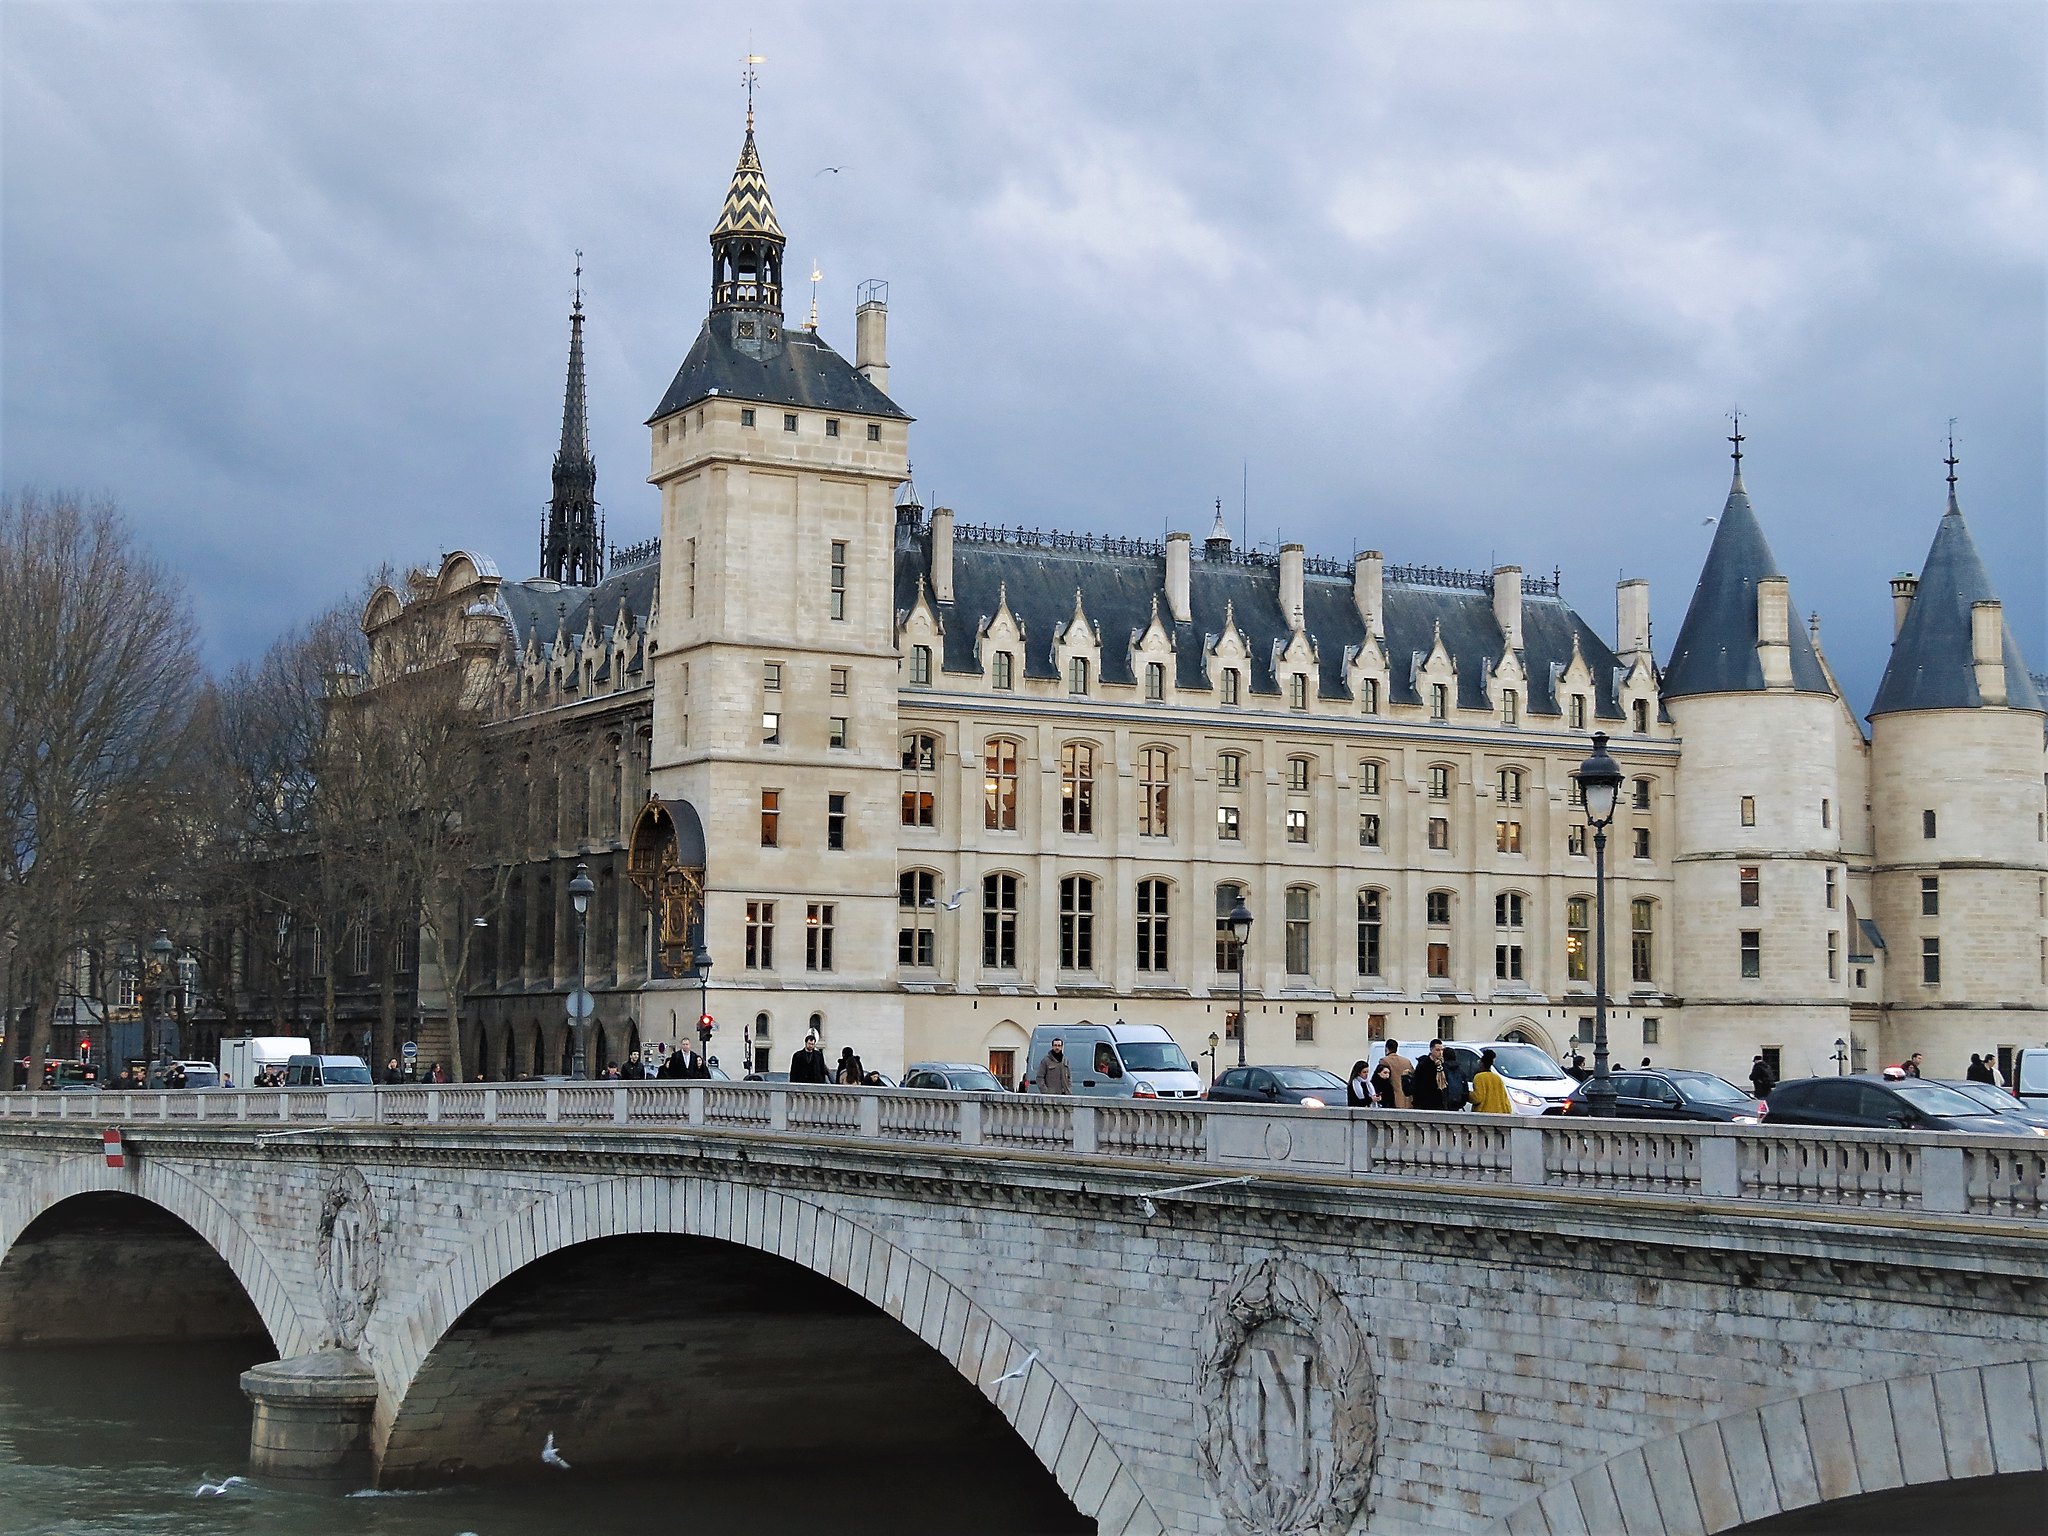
114,1441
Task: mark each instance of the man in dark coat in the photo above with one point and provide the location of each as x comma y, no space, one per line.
686,1062
1430,1079
1761,1078
808,1064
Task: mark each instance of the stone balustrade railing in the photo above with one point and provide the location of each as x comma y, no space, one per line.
2001,1177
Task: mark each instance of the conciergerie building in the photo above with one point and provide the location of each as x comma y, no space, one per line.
921,784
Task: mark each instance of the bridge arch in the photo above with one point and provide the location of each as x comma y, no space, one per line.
1046,1417
290,1330
1953,1426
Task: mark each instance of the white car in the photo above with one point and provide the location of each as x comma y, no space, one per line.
1535,1083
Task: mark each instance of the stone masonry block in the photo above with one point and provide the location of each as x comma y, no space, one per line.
1921,1456
2015,1427
1965,1431
1742,1438
1601,1509
1671,1481
1869,1409
1713,1483
1792,1470
1834,1450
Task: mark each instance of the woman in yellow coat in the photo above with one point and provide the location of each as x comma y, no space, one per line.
1489,1093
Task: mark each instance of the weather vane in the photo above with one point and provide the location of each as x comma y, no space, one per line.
579,282
1736,417
816,278
1952,461
750,77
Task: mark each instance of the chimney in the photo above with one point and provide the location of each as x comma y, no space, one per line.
1507,603
1179,552
1631,617
1290,584
871,337
1987,650
1774,630
942,554
1367,589
1904,587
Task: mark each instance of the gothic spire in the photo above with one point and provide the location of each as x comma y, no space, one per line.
572,550
746,242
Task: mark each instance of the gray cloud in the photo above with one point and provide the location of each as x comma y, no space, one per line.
1459,282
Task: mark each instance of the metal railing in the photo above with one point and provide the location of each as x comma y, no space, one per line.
1998,1177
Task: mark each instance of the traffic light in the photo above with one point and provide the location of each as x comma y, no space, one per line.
705,1026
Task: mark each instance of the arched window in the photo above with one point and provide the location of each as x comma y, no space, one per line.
1077,787
1298,770
1369,777
1511,786
999,922
920,779
1298,936
917,900
1077,923
1440,775
999,785
1507,939
1152,905
1155,791
1577,931
762,1051
1229,953
1371,917
1642,939
1437,909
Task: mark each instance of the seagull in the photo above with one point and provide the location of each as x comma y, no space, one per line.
954,904
1018,1372
550,1457
834,169
1708,522
215,1490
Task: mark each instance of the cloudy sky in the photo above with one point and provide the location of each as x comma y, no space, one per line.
1464,282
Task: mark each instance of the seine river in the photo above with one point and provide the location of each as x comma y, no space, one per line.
113,1441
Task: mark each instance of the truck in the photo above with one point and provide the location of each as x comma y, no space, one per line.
2030,1077
241,1059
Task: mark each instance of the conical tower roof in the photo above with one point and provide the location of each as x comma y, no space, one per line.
748,209
1931,666
1716,649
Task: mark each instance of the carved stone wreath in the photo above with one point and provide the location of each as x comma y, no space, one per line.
350,1258
1317,1390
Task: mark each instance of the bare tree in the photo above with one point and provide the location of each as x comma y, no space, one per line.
98,672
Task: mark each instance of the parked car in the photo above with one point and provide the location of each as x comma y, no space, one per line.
1870,1102
1311,1087
1673,1093
953,1076
183,1074
1535,1083
2000,1101
326,1072
1119,1061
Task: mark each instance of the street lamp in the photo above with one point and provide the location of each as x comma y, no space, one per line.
160,950
1841,1056
580,1004
1240,925
700,962
1214,1041
1599,779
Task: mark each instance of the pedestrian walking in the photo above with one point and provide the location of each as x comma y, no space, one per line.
1912,1064
1358,1089
1393,1078
808,1064
1980,1071
1489,1093
1761,1078
849,1072
1055,1075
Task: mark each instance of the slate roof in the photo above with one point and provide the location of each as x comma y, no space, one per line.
803,371
1716,649
1930,666
538,607
1118,580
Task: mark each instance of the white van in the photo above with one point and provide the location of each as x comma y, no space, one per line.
1535,1083
1118,1061
2030,1077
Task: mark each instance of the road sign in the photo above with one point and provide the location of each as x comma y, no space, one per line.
117,1155
581,1004
410,1050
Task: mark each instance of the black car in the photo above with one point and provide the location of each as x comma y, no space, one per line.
952,1076
1311,1086
1880,1104
1672,1094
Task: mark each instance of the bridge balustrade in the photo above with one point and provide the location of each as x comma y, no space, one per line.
2005,1178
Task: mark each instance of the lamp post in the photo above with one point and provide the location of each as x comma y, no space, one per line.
580,1002
158,975
1599,779
1214,1041
1841,1056
1240,923
700,962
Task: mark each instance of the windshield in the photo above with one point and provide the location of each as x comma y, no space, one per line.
974,1080
332,1076
1933,1099
1307,1077
1705,1088
1527,1062
1152,1056
1997,1100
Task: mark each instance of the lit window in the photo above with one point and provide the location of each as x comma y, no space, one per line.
1371,905
1003,667
920,780
1077,788
1297,774
838,576
1152,899
818,935
760,953
999,786
1226,823
835,820
771,818
1577,928
1507,836
1155,681
917,899
1642,939
1155,791
1077,923
1439,960
1297,930
921,665
1750,883
999,922
1229,770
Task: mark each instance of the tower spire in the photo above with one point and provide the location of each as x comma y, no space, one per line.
746,242
571,550
1952,461
1736,438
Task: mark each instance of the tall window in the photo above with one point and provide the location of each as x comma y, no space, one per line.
1642,939
1440,782
1077,923
818,935
842,682
921,666
917,899
1510,707
1507,947
760,935
1507,909
771,818
1642,841
1002,669
1927,824
1834,955
1751,949
1155,790
1368,829
1930,895
920,779
1749,883
1371,909
1369,778
1575,839
1748,808
1077,787
1229,771
771,677
999,922
1507,836
1297,930
835,820
1439,701
1511,786
1930,961
1231,685
1642,714
1437,910
1830,879
1297,824
1226,823
838,578
1297,774
1369,695
1152,899
999,785
1642,794
1229,953
1077,674
1155,681
1577,928
1578,711
1297,690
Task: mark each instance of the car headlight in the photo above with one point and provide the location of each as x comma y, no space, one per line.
1143,1090
1745,1120
1318,1104
1523,1096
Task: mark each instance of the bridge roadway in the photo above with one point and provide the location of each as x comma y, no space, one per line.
1198,1318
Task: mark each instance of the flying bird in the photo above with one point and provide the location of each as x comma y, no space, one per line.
1018,1372
215,1490
550,1457
954,904
1708,522
834,169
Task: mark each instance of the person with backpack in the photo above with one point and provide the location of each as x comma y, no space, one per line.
1761,1078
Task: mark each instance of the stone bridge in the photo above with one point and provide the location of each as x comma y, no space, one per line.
1191,1318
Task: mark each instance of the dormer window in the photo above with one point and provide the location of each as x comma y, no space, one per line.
1002,670
1369,695
1230,685
1439,701
1510,707
1155,681
921,666
1578,712
1077,675
1297,690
